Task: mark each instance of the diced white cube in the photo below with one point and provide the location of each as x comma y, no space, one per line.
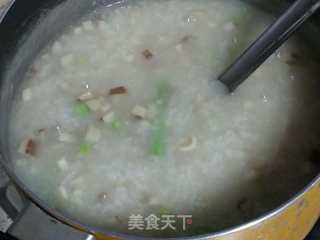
63,164
139,112
188,144
94,104
109,117
27,94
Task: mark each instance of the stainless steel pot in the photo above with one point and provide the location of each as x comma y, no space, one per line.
291,221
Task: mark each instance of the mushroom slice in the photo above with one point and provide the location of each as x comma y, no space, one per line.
28,147
118,91
139,112
147,54
188,144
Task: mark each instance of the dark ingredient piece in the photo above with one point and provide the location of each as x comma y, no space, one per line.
41,133
41,130
186,38
102,197
30,148
118,91
147,54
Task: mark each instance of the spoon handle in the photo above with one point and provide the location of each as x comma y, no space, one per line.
268,42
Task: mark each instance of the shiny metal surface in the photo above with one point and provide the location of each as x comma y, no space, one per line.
36,224
5,220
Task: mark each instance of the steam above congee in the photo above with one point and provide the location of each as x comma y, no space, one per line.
122,115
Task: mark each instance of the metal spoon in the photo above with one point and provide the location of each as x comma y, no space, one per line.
288,23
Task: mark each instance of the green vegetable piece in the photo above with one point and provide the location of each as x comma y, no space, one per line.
85,149
158,140
81,109
159,131
116,124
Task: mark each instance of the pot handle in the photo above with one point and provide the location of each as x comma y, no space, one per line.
30,222
34,223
